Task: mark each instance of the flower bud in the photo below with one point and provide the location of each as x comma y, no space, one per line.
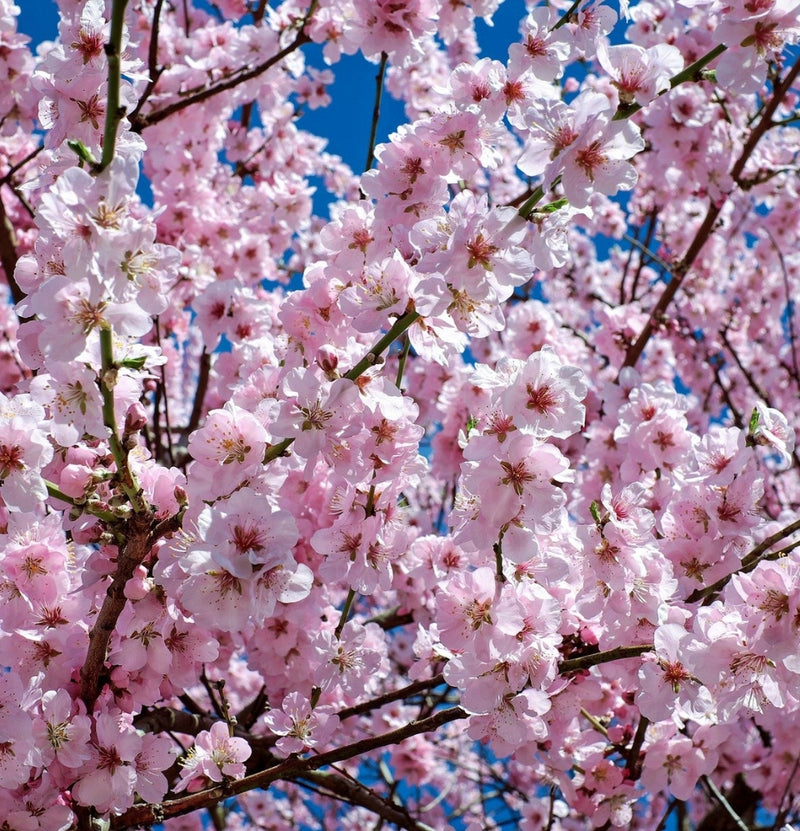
135,418
327,360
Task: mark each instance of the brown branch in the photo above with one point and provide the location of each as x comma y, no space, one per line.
703,233
200,393
355,793
749,562
170,720
618,653
752,383
376,111
7,179
137,533
291,768
388,698
392,619
635,750
153,69
140,533
8,253
142,122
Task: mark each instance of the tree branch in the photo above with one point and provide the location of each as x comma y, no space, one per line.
131,553
376,111
153,70
618,653
681,269
114,112
8,253
749,562
291,768
142,122
354,792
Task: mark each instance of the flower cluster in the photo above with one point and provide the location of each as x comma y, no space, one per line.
464,497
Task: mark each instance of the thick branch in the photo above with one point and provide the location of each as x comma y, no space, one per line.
291,768
131,553
164,719
8,252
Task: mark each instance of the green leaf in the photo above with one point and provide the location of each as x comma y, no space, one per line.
753,425
595,511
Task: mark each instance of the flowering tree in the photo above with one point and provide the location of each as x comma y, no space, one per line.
473,505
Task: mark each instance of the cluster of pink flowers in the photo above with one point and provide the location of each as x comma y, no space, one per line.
471,504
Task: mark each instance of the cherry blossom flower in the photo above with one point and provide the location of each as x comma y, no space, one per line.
65,727
245,534
24,451
214,756
347,661
300,726
640,74
110,784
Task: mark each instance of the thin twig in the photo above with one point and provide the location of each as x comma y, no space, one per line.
720,797
789,305
387,698
352,791
376,111
142,122
153,70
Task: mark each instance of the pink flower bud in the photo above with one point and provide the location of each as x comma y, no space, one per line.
135,418
327,359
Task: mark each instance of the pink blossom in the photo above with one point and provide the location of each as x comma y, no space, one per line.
300,726
24,451
347,661
315,412
545,396
229,447
245,534
640,74
773,430
110,784
666,679
539,53
65,727
673,764
214,756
